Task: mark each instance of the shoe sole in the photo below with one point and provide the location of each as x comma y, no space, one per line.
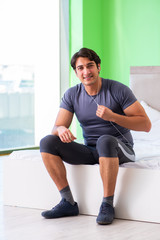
61,216
104,223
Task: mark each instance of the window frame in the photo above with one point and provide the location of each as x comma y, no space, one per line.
63,62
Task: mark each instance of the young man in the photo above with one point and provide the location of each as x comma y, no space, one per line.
107,110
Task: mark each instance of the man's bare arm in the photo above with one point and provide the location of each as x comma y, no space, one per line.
135,117
62,124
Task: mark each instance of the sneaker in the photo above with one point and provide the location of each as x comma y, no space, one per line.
106,214
63,209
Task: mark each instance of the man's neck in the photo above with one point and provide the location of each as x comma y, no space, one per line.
94,88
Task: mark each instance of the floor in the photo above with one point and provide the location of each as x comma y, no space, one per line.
27,224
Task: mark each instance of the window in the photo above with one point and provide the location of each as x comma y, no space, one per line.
29,71
16,106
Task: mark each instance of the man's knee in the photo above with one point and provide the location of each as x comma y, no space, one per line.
49,143
107,146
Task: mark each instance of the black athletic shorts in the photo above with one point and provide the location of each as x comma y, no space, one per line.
76,153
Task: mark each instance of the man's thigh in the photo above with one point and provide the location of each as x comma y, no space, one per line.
76,153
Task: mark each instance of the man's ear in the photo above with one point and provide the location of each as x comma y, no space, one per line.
99,67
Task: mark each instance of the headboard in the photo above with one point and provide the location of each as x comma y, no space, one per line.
145,84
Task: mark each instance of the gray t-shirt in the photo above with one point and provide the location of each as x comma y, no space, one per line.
114,95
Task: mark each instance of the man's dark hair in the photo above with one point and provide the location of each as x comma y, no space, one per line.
86,53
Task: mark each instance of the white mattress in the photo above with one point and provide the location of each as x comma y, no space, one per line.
147,155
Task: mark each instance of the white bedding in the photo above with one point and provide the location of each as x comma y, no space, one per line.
146,145
147,156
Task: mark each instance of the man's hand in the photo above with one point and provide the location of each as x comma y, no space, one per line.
104,113
65,134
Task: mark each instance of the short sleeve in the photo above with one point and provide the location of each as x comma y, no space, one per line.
123,95
67,101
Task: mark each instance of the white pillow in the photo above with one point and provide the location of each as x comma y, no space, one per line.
154,135
152,113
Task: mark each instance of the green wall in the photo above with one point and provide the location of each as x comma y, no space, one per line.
75,33
123,32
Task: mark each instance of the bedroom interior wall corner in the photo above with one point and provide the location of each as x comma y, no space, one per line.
75,43
64,46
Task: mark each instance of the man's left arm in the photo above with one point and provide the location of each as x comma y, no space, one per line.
135,117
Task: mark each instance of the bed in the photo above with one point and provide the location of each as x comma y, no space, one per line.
145,83
137,194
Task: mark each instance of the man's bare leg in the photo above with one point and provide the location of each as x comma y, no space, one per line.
57,171
108,170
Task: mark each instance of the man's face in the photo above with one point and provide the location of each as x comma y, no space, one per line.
87,71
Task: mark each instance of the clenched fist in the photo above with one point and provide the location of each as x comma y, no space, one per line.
104,113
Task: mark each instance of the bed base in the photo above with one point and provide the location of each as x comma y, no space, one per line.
27,184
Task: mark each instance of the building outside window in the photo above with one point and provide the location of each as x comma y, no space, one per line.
16,106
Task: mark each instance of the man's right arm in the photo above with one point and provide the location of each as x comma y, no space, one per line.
61,127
